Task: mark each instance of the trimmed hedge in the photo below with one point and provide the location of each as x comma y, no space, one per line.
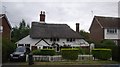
36,52
101,53
50,52
70,54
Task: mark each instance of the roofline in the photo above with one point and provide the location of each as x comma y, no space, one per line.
98,22
95,18
4,15
1,17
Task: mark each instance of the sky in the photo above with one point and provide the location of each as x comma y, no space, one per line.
59,11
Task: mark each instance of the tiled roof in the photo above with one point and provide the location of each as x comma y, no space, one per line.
4,16
108,22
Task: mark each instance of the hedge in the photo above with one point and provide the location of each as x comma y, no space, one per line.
102,54
70,54
50,52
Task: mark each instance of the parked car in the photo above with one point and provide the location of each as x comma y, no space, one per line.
19,54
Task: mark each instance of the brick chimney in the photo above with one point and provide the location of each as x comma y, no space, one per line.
77,27
42,16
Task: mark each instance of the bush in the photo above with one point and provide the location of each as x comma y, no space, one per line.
50,52
70,54
7,49
36,52
103,54
109,44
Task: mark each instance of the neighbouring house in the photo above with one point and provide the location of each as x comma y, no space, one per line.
47,35
105,28
5,27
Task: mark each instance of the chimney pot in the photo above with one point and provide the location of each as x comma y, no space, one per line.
77,27
42,16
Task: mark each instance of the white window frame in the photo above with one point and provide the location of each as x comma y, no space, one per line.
112,31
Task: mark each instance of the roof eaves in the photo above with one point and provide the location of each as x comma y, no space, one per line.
99,22
1,17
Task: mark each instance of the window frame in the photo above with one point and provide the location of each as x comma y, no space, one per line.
54,39
1,29
70,39
112,31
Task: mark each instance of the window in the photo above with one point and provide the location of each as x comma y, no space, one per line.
20,49
1,28
54,39
112,31
70,39
28,45
20,44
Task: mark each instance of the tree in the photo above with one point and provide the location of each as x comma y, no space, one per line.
7,49
21,31
86,35
108,43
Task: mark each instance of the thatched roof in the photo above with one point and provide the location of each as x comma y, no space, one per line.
44,30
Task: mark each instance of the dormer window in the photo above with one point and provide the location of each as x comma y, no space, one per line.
111,31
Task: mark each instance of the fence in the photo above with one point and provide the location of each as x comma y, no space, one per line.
47,58
59,58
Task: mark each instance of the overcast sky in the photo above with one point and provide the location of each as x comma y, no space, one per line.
67,12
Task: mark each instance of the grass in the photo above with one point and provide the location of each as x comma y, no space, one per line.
76,62
96,62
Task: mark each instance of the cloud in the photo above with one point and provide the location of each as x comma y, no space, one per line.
60,12
60,1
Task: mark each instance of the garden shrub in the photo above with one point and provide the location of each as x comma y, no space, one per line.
70,54
36,52
102,54
50,52
109,44
7,48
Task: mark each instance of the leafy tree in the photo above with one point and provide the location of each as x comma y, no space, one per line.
86,35
108,43
21,31
7,49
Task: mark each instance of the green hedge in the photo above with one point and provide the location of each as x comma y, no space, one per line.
50,52
36,52
102,54
70,54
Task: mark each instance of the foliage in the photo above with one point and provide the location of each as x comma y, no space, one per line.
101,53
86,36
105,44
36,52
20,32
84,51
110,45
70,54
7,49
50,52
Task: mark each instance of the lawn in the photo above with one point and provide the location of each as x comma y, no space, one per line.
76,62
